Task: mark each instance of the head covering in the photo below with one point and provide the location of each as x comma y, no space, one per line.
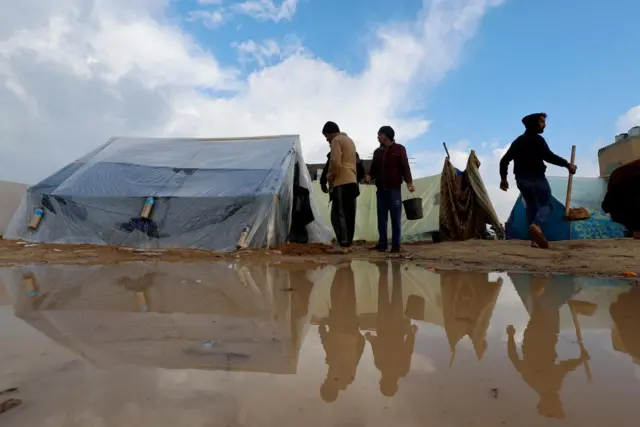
388,132
330,127
532,122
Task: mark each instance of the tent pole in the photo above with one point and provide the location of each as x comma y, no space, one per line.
570,184
444,144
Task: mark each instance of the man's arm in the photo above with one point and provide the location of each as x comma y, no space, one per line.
504,162
406,169
323,177
551,157
334,161
374,169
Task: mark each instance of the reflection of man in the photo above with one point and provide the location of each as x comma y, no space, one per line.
395,336
538,365
340,336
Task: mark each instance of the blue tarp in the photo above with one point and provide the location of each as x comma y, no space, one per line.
587,193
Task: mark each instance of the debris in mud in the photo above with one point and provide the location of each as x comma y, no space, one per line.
9,404
9,390
494,393
630,274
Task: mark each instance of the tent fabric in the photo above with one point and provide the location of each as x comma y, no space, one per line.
428,189
206,191
587,193
465,208
11,194
622,200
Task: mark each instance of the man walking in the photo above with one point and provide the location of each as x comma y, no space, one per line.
389,168
342,183
529,152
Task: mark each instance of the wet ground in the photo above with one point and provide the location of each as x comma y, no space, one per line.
603,258
294,344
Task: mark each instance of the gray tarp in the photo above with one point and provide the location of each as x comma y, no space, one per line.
205,192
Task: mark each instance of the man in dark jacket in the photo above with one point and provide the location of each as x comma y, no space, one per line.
389,168
529,152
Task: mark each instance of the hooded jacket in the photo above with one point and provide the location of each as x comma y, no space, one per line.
529,152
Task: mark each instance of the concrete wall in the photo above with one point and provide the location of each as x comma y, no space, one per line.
10,196
617,154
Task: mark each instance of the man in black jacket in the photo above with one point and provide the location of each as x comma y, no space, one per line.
529,152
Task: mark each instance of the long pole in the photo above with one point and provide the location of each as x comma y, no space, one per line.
570,184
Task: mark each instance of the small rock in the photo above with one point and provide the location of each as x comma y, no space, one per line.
9,404
32,245
494,393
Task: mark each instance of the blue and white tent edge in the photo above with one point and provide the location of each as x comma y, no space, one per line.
587,193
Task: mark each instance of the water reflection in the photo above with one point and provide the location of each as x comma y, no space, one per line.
384,327
538,365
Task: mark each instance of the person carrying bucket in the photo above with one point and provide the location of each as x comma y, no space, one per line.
389,169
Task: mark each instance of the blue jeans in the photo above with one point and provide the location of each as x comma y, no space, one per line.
389,202
537,198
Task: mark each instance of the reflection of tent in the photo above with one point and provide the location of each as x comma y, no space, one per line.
465,208
10,194
200,316
205,192
366,217
626,317
587,193
467,306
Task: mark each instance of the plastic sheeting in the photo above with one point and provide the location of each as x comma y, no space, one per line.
11,195
367,218
206,191
587,193
466,208
174,316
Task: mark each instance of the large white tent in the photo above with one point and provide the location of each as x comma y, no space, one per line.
205,192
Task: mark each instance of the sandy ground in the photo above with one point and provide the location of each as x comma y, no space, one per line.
607,258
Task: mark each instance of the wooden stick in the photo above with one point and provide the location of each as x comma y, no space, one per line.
574,316
444,144
570,184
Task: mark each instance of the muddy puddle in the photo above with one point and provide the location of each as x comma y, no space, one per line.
358,344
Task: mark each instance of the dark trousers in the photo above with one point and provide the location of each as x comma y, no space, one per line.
389,202
536,194
343,213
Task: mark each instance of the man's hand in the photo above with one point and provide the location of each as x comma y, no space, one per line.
324,188
411,187
504,185
572,169
367,179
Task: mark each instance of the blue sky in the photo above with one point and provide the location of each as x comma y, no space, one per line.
460,71
571,59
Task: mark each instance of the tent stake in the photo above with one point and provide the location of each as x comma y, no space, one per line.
567,209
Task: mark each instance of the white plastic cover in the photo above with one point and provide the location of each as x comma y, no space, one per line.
206,191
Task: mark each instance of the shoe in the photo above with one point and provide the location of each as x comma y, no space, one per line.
395,249
537,236
378,248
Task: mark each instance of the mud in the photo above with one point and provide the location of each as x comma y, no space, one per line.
346,344
612,258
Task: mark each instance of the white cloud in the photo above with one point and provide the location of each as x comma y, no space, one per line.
75,72
210,19
268,10
262,52
628,120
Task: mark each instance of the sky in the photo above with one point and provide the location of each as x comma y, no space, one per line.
75,72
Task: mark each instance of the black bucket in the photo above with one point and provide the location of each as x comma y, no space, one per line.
413,208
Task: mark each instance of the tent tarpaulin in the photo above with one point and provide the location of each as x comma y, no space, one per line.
205,190
587,193
465,207
11,193
366,216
